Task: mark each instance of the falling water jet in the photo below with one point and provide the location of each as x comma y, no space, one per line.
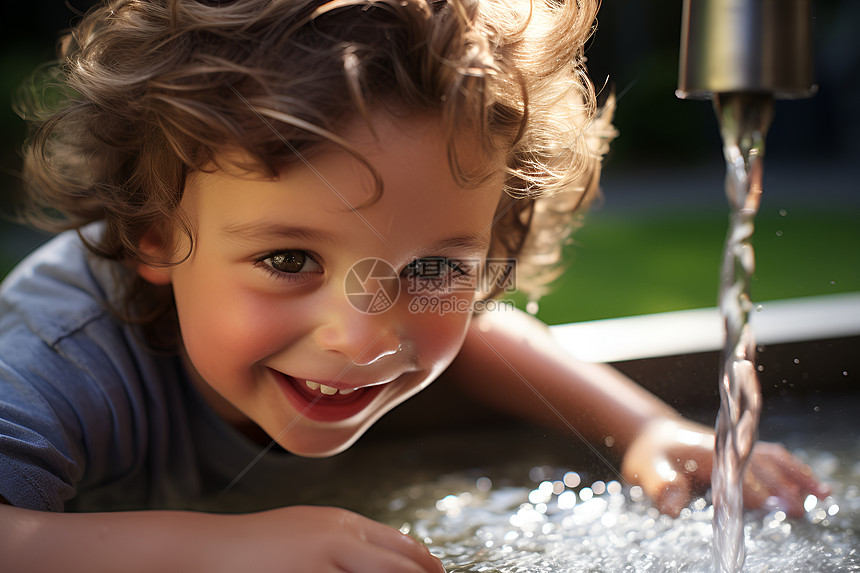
742,54
744,121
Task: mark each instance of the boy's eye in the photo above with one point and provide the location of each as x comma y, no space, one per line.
291,262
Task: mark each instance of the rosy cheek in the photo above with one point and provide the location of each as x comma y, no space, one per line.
230,327
440,337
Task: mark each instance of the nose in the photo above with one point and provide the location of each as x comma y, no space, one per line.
365,339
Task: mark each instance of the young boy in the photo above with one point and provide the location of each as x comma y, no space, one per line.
262,190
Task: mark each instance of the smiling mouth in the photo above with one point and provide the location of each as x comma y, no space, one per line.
325,403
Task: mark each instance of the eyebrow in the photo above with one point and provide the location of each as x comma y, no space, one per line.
464,242
262,230
272,230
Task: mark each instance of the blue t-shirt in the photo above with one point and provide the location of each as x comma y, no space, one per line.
92,419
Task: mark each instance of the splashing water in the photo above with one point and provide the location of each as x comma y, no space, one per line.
497,521
744,120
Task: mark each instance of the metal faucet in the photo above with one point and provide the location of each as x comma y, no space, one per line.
746,46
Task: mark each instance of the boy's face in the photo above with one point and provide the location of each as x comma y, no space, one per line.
272,306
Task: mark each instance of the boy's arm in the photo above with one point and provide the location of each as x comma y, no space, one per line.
294,539
511,361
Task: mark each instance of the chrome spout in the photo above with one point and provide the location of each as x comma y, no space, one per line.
746,46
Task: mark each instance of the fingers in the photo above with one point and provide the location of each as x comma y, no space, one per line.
794,469
374,558
396,545
673,497
668,490
330,539
651,462
776,477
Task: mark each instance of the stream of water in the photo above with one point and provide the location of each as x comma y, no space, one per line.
744,120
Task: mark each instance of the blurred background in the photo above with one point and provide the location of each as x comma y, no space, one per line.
654,243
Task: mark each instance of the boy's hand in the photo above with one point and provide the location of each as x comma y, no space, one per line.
672,459
305,539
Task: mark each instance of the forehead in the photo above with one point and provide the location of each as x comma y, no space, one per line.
409,157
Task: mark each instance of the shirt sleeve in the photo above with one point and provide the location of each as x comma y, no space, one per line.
41,454
65,419
82,399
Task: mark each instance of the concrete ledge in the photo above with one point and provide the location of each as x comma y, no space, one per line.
701,330
806,347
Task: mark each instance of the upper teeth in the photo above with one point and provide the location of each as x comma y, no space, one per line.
327,390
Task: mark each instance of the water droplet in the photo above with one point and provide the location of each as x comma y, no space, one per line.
783,212
797,360
571,479
547,528
566,500
532,307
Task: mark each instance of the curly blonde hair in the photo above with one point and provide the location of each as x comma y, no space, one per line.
148,91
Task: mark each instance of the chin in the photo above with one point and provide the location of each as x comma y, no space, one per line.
319,448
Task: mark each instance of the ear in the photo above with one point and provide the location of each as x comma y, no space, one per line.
152,246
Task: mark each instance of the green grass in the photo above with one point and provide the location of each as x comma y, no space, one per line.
640,264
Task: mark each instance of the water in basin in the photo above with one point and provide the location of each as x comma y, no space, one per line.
559,519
